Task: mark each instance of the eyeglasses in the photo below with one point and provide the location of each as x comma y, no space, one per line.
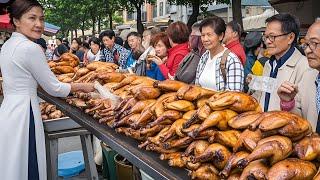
312,45
272,38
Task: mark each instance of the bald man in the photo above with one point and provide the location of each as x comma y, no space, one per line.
304,98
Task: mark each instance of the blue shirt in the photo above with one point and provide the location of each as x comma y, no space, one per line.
154,72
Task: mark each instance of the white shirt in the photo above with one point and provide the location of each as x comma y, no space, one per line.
207,78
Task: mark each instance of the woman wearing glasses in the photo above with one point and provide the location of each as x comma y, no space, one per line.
286,62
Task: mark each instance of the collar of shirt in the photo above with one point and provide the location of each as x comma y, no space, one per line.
273,61
232,44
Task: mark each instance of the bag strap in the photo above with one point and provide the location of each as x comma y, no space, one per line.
223,63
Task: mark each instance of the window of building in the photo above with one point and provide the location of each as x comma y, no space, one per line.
161,9
155,11
130,16
168,8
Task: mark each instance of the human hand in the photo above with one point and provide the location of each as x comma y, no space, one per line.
155,59
83,87
287,91
170,77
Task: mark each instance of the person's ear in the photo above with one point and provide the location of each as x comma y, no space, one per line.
291,38
16,22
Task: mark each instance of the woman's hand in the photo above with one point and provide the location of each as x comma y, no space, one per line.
83,87
155,59
287,91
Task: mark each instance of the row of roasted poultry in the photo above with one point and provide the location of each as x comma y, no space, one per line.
49,111
216,135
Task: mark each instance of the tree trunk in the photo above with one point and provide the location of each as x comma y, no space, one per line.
67,34
76,33
195,13
110,19
99,24
140,26
71,34
237,11
82,30
93,25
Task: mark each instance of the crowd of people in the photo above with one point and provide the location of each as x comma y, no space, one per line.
213,56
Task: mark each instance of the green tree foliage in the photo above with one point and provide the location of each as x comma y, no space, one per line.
72,15
197,4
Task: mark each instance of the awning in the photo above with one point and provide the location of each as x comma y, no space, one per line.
5,25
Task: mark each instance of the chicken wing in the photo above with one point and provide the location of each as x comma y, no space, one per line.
232,163
205,172
244,120
227,138
248,140
191,93
255,170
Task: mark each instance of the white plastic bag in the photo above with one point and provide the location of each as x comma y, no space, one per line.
263,83
106,94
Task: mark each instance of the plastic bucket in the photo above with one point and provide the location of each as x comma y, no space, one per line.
109,166
124,168
70,164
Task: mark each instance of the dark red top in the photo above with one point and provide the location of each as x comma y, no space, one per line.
237,49
175,56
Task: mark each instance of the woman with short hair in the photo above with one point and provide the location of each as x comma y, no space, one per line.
212,72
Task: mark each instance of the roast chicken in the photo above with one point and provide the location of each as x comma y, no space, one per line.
292,169
170,115
169,85
217,153
248,140
285,123
205,172
244,120
274,148
255,170
180,105
228,138
191,93
126,81
236,101
216,118
201,114
196,148
110,77
308,148
232,163
102,65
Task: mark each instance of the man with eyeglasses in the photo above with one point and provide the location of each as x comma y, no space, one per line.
286,62
304,98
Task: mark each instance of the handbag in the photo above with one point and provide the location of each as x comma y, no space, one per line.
187,68
140,68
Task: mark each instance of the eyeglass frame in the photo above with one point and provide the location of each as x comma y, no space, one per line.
264,38
314,45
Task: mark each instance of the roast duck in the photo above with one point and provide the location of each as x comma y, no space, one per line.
215,135
49,111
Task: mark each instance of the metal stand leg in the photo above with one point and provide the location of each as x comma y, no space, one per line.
91,170
53,145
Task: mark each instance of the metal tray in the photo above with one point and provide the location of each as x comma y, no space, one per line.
65,123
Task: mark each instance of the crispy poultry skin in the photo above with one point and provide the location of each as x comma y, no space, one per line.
64,69
228,138
205,172
142,80
292,169
175,129
171,115
180,105
317,176
178,143
146,92
201,114
216,118
188,114
243,120
308,148
98,64
110,77
248,140
216,152
234,176
275,148
255,170
236,101
196,148
169,85
124,82
232,163
286,124
146,116
201,102
139,106
191,93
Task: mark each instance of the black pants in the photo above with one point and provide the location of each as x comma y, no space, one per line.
33,171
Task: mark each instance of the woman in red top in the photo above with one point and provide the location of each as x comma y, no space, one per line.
178,35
